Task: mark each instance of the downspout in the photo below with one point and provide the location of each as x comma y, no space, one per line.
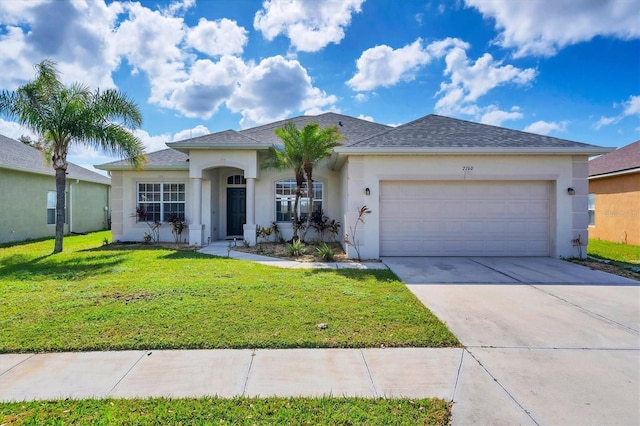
71,204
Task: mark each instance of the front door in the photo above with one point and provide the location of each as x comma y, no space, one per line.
236,211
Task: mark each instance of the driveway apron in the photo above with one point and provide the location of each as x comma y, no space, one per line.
547,341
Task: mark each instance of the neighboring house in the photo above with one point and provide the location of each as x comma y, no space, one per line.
614,195
436,186
28,194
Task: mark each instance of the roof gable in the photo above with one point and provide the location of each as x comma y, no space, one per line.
18,156
435,131
625,158
352,129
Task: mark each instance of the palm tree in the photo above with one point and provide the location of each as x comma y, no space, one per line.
301,151
62,115
288,157
316,145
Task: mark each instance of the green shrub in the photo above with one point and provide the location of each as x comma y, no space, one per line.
325,252
296,248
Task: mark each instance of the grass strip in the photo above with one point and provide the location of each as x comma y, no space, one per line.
236,411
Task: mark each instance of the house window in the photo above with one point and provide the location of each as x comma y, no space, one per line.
236,180
286,196
158,202
592,209
51,207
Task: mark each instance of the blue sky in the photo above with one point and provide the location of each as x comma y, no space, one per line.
565,68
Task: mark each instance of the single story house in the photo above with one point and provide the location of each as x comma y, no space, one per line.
28,191
436,186
614,195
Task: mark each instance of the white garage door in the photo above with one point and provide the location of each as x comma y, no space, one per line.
431,218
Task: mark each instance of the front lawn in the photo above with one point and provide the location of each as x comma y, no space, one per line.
94,297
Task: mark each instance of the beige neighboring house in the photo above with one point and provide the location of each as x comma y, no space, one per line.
436,186
28,194
614,195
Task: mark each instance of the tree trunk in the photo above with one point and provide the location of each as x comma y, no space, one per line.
61,183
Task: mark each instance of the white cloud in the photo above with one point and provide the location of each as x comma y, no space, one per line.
273,89
360,97
542,27
88,40
310,25
384,66
199,130
366,117
469,81
630,107
545,127
13,130
217,38
495,116
74,34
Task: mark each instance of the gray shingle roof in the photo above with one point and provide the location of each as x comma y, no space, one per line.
625,158
166,158
18,156
352,129
435,131
225,137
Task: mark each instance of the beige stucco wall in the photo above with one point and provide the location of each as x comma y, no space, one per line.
23,212
561,172
617,208
214,172
124,226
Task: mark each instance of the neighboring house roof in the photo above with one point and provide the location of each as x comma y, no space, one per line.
435,133
624,159
18,156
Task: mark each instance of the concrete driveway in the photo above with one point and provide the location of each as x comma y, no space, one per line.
547,341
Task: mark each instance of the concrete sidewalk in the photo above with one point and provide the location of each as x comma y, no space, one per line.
223,249
394,372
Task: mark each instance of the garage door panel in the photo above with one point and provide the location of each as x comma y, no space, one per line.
464,218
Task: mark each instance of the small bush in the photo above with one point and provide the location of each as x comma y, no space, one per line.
325,252
296,248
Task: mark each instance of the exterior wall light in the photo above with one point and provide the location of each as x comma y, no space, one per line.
367,191
571,191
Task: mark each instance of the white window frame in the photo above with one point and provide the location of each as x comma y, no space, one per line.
51,207
167,199
286,195
591,208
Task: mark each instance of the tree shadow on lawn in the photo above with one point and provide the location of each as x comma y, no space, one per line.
50,267
382,275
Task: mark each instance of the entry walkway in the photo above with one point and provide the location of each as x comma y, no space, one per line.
224,249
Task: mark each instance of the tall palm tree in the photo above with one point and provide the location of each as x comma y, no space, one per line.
62,115
289,156
316,145
301,151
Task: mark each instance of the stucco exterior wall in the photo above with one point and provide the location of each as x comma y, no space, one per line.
558,171
124,224
214,176
617,208
88,201
24,208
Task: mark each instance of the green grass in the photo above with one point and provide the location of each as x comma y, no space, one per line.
237,411
114,298
619,252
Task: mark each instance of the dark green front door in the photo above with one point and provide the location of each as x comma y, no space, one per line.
236,211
